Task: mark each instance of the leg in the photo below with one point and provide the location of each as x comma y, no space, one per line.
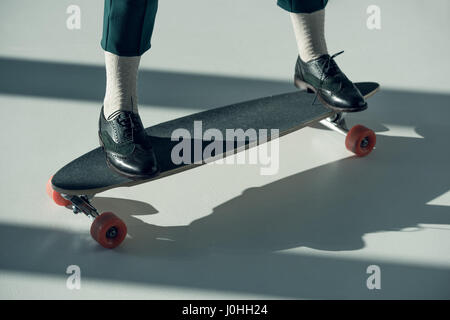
309,29
121,84
315,69
127,30
308,21
302,6
128,26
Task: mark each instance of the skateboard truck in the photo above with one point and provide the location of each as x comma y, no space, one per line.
82,204
359,139
106,228
336,123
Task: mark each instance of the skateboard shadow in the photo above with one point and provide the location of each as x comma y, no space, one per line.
124,206
240,246
330,207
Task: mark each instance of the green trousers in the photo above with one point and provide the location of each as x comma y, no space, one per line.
128,24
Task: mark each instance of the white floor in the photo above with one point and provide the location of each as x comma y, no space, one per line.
220,231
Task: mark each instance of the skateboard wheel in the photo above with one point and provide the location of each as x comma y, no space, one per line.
56,196
360,140
108,230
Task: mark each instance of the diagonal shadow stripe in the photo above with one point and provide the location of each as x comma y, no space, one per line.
49,252
85,82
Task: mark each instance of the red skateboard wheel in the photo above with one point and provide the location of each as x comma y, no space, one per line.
108,230
56,196
360,140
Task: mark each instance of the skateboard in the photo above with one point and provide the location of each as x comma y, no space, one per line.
74,185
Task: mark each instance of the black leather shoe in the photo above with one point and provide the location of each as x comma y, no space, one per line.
127,146
332,87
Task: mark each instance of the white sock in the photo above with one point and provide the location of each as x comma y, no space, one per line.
121,84
309,29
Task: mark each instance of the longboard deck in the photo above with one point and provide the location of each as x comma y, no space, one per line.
89,174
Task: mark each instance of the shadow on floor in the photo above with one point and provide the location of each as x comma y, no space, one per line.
161,88
237,248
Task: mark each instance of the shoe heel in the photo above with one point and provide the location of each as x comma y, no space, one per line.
302,85
299,80
101,142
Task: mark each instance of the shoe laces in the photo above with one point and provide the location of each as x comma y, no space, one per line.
328,67
125,120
